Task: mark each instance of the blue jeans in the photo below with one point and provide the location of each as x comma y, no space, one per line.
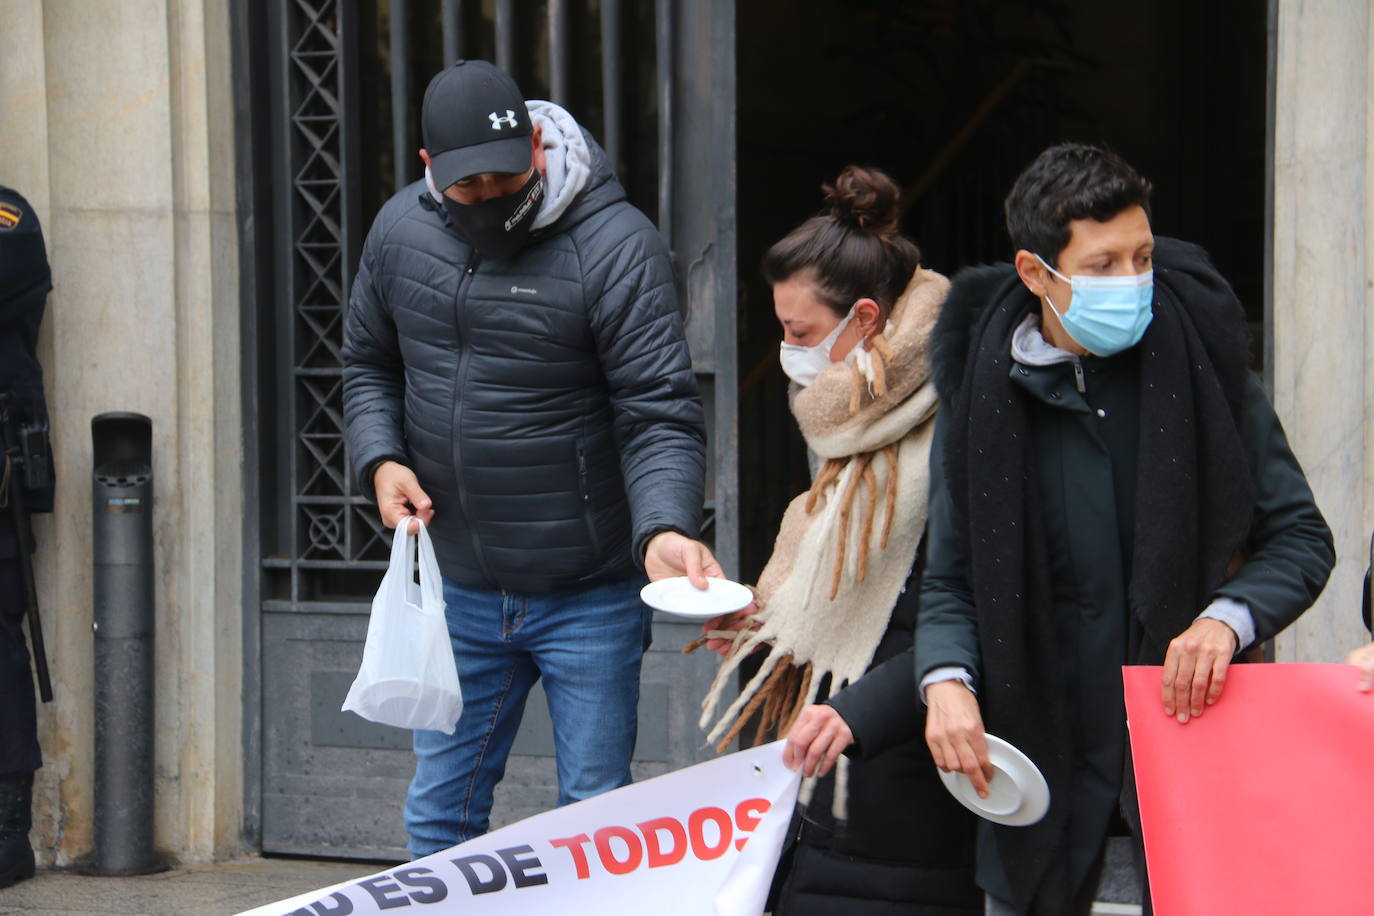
587,644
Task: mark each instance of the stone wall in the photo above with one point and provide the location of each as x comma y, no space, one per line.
1322,338
119,128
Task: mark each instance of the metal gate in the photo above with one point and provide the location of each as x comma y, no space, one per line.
315,80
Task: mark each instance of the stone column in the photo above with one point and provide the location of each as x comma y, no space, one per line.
1323,273
130,161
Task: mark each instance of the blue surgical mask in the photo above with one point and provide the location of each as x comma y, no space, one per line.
1106,314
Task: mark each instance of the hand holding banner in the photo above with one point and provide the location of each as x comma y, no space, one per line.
1261,806
701,840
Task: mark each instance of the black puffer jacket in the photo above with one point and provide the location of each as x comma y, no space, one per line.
546,402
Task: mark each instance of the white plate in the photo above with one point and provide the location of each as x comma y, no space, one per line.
681,598
1018,794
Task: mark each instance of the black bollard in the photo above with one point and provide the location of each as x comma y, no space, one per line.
122,514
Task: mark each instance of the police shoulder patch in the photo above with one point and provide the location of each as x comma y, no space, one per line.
10,216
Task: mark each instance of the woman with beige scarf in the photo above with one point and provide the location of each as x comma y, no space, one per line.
836,601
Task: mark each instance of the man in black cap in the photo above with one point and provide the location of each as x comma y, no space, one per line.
516,377
24,284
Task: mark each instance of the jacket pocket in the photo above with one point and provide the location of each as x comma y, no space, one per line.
584,493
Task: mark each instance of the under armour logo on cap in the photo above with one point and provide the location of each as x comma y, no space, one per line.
474,120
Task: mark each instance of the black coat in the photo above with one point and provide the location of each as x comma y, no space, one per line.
907,847
25,280
1085,441
546,402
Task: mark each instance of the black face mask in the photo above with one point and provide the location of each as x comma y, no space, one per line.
499,227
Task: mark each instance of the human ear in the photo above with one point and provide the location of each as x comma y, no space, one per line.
866,315
537,157
1032,273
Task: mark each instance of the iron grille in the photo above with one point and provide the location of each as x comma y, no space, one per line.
328,539
332,526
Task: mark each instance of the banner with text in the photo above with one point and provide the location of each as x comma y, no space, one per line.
703,840
1262,805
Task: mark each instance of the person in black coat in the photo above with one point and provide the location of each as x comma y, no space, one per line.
1109,486
877,833
1363,657
24,283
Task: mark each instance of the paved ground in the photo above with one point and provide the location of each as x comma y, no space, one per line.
212,890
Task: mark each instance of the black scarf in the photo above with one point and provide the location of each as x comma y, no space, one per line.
1194,499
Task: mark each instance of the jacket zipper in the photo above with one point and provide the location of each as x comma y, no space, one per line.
458,315
584,487
1078,376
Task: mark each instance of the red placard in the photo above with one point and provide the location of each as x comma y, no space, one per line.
1263,805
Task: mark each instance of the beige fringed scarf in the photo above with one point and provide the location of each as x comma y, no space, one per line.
845,548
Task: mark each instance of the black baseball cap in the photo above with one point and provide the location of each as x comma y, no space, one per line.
474,120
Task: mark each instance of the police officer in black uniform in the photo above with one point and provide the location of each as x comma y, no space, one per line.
24,283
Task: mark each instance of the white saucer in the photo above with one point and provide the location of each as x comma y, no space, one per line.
679,597
1018,794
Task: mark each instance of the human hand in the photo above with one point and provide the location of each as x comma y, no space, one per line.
1195,667
734,622
816,740
954,732
399,495
671,554
1362,658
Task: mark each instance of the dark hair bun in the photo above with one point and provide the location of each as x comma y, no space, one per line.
853,248
865,199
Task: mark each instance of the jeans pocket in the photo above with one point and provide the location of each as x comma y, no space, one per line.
648,618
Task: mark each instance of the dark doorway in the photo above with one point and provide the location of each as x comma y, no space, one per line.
953,98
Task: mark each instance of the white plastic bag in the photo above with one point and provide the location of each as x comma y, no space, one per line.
408,677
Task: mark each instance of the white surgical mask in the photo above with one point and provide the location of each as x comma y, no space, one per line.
803,364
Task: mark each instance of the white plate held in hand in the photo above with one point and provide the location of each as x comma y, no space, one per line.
1018,794
679,597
